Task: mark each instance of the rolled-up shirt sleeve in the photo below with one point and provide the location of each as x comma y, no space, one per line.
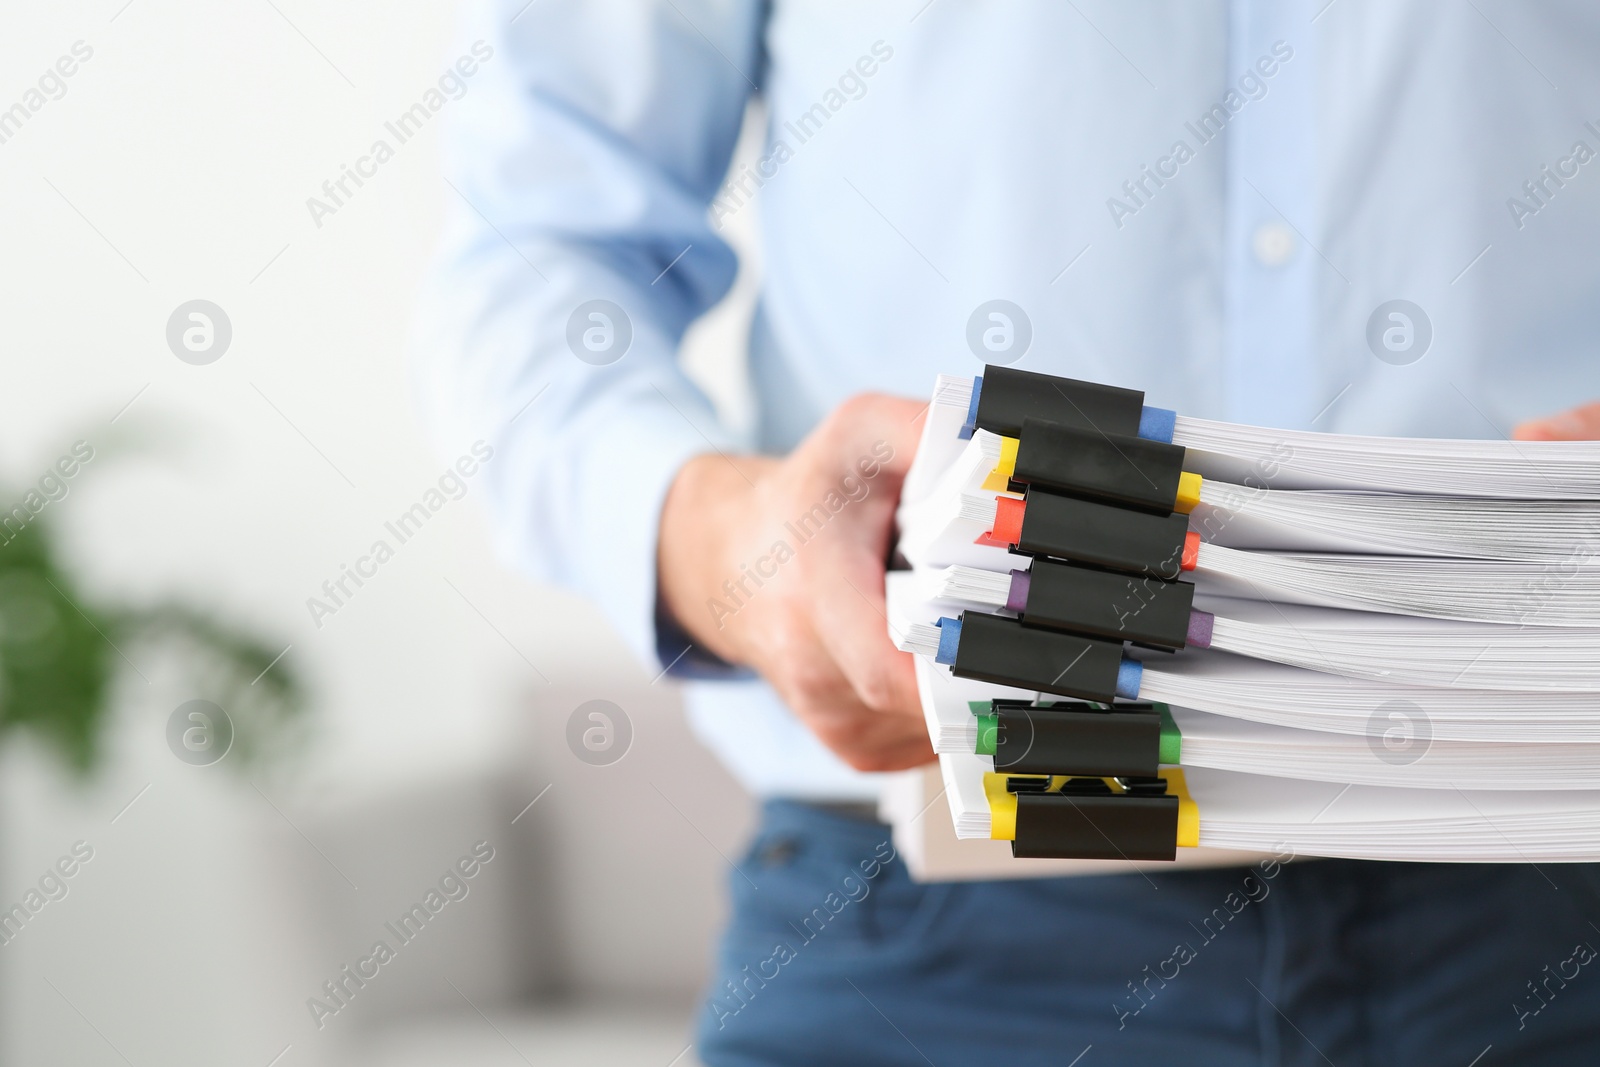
578,167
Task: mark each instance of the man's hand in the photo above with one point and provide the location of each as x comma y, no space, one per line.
1579,424
778,564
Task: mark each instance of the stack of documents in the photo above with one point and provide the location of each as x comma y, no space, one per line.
1138,633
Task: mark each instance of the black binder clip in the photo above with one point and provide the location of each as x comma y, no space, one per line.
1132,824
1116,468
1103,535
1086,600
993,648
1123,740
1005,397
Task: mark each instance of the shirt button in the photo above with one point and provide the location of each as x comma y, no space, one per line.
1273,244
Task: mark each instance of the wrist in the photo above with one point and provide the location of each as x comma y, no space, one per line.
711,501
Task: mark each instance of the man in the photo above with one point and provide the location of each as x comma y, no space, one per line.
1365,216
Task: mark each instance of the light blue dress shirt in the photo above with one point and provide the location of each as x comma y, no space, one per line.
1211,201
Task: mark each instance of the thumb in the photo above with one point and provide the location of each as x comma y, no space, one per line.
898,423
1578,424
871,427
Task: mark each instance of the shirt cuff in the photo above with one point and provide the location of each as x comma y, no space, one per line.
685,660
625,477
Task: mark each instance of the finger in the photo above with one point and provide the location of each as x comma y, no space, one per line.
870,434
913,752
868,740
812,684
841,565
852,622
1579,424
900,427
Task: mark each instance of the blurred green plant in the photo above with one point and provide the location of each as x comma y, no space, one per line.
60,653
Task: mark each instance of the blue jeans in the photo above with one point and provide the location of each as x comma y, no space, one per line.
834,955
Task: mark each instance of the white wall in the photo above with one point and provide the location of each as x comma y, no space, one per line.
177,166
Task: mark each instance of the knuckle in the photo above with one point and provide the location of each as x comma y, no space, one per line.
878,692
809,683
846,419
881,686
788,632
